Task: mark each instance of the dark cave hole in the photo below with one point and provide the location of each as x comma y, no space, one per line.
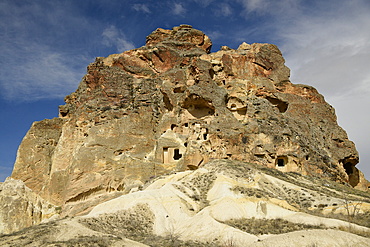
176,154
348,167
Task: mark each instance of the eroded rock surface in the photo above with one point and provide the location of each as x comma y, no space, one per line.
21,207
171,105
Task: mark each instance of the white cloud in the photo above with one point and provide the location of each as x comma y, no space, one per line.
114,37
31,66
272,7
225,9
331,52
178,9
141,7
45,48
213,35
254,5
204,3
40,73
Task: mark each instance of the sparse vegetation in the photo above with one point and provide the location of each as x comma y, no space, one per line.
203,183
86,241
268,226
136,222
360,219
351,229
352,208
251,192
158,241
326,187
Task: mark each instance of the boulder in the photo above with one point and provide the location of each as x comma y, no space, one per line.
21,207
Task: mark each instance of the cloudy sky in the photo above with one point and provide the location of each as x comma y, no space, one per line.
45,46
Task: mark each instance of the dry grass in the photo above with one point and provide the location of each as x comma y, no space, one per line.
86,241
135,222
353,230
360,219
268,226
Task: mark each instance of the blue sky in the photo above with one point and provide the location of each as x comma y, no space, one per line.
45,46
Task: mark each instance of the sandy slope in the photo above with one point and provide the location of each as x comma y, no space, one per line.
171,199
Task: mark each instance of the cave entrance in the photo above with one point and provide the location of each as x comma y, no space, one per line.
198,107
282,106
348,168
352,172
176,154
237,107
281,161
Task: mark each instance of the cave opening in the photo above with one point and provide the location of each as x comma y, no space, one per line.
198,107
282,106
351,171
348,168
176,154
280,162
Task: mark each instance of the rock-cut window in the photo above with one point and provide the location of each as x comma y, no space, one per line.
176,154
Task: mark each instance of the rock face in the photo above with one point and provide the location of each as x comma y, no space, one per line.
171,105
21,207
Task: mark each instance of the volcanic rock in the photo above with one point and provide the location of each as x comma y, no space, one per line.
21,207
172,105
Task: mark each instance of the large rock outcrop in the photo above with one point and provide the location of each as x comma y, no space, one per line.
171,105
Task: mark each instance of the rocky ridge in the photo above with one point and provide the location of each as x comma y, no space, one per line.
172,106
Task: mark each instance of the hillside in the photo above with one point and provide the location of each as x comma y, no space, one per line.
224,203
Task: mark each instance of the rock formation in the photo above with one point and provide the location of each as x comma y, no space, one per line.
172,105
21,207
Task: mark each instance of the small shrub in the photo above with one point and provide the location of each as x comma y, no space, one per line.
351,229
135,222
268,226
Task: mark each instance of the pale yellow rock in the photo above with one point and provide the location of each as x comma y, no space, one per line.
21,207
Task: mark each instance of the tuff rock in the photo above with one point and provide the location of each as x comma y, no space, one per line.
171,106
21,207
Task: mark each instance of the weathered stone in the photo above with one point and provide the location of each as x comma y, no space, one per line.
21,207
171,105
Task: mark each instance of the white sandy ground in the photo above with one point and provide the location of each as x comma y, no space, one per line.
177,214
